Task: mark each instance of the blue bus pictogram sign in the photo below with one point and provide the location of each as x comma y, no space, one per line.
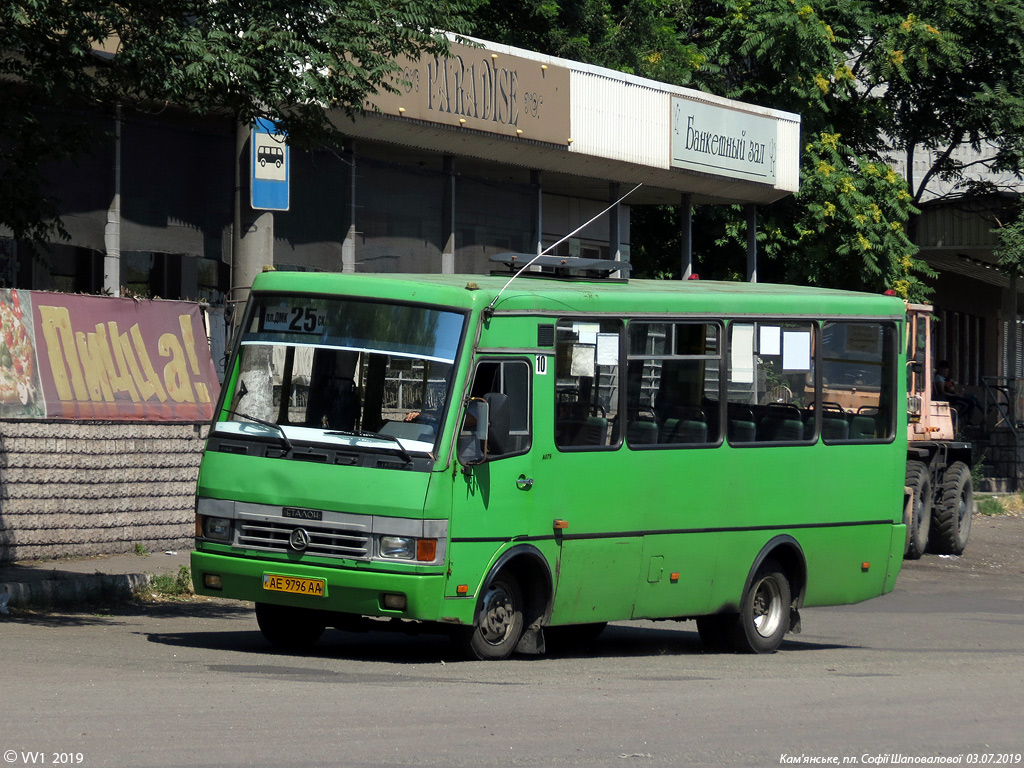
270,171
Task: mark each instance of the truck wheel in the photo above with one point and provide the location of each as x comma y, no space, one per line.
287,628
951,524
499,621
921,515
764,612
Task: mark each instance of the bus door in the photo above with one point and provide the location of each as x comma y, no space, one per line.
495,502
589,491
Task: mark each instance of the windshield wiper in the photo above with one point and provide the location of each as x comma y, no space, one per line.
399,448
271,425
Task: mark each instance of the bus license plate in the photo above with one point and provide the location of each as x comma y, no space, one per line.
294,585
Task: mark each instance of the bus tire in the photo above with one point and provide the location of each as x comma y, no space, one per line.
287,628
920,483
951,523
499,621
764,612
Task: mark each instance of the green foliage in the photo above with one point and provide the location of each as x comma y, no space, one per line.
1010,252
167,585
236,59
990,505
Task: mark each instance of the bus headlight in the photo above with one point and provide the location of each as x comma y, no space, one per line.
408,548
398,547
217,528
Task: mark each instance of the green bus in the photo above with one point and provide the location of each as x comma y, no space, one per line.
519,462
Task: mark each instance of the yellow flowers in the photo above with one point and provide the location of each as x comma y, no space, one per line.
822,82
901,288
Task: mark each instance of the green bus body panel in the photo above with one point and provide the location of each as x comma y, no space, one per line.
349,590
359,490
558,298
651,533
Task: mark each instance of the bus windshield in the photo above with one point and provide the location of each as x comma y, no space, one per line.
342,371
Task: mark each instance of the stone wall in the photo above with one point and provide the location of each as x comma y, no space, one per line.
72,489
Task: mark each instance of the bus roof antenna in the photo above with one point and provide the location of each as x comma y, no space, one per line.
489,310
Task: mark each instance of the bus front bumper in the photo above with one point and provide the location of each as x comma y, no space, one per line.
361,592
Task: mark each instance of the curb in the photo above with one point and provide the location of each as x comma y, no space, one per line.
47,593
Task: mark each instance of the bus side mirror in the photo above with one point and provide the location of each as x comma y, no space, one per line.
472,446
498,423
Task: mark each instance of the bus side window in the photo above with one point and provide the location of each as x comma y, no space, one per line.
587,384
771,385
672,382
505,384
858,385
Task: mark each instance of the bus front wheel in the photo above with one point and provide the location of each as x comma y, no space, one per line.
499,621
764,612
287,628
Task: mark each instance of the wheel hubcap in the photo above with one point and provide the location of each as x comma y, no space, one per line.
497,614
767,608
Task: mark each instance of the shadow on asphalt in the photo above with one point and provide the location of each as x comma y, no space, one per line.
616,641
121,612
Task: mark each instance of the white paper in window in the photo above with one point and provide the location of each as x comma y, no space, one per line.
586,333
771,340
582,360
607,349
796,351
742,355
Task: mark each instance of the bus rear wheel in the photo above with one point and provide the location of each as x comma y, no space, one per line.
951,526
764,612
499,621
287,628
920,483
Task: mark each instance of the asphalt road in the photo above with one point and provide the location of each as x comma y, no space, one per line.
933,670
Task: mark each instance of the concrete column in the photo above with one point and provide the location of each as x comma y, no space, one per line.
348,245
448,218
751,211
112,230
538,211
614,228
686,235
253,235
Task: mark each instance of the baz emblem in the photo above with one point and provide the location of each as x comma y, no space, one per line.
299,539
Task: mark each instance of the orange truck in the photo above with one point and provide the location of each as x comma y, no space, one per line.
939,492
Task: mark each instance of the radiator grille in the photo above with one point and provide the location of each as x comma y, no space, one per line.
327,542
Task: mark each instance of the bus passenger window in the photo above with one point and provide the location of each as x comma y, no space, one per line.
858,382
587,384
771,382
672,384
509,380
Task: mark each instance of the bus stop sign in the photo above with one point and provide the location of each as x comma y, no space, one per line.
270,167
